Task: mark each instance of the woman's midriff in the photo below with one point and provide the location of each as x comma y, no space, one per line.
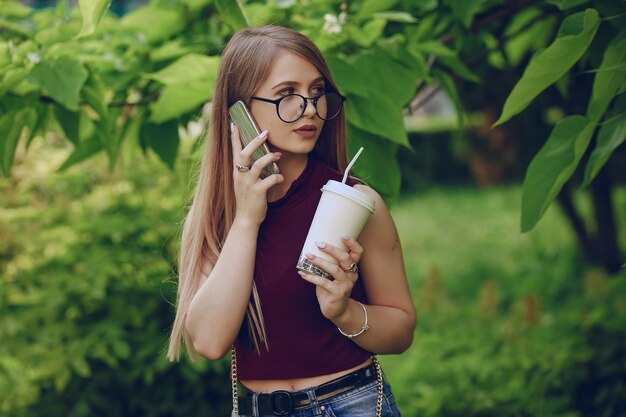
297,383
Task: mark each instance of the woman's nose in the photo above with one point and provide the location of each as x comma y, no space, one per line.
309,109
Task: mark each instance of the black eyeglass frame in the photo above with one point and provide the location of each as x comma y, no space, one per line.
306,103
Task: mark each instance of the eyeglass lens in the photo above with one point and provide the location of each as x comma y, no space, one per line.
292,107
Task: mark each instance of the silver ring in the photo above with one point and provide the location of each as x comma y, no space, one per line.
353,268
242,168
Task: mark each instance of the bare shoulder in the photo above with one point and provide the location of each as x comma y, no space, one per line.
368,190
380,228
380,208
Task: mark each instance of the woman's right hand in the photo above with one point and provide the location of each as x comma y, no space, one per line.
250,189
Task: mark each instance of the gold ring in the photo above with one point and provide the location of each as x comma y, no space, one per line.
353,268
242,168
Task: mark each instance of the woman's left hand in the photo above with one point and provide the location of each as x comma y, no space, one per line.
333,295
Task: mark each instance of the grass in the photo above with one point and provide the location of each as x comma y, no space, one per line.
491,301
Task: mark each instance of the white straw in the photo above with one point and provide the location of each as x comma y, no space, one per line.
345,174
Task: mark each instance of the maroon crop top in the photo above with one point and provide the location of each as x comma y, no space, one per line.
302,342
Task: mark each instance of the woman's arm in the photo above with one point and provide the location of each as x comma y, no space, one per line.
391,313
219,306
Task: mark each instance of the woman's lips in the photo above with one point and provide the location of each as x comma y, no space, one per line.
306,131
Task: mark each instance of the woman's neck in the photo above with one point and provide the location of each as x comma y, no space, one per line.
291,167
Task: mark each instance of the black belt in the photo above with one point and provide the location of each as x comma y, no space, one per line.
281,402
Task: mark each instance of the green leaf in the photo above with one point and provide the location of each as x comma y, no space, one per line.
609,78
435,48
121,349
576,33
80,365
35,122
343,75
378,115
92,11
85,149
423,30
233,14
173,49
25,31
370,7
465,10
11,125
61,379
189,67
5,54
14,9
62,79
377,165
156,23
104,133
612,134
447,84
395,16
178,99
553,165
393,78
196,4
163,138
130,137
412,58
12,78
368,34
460,69
94,96
567,4
55,34
69,121
529,31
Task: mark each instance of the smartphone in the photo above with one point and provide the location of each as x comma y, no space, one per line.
248,130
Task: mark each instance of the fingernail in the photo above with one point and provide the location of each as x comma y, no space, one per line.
320,245
309,256
302,274
278,154
345,237
232,127
263,134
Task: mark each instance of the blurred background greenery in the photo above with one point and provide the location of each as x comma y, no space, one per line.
96,182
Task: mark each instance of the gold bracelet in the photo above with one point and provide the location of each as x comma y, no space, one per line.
364,327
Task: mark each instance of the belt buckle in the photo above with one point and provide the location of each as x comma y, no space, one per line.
281,402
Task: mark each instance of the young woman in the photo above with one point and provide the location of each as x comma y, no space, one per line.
303,344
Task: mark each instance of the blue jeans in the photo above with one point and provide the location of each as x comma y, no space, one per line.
357,402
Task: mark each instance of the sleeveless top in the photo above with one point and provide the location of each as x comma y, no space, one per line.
302,342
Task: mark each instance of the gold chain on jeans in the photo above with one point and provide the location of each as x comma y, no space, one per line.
233,381
379,385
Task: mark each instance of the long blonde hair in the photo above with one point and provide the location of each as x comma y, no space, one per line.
246,62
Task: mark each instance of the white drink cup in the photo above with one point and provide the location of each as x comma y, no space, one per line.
341,210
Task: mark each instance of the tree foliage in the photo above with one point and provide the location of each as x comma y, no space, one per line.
104,81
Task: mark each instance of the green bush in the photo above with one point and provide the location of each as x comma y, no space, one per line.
85,301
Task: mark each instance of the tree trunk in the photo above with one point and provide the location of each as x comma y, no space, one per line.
585,241
607,247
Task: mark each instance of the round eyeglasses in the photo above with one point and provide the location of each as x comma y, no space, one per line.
291,107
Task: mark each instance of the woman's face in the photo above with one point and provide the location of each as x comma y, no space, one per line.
289,74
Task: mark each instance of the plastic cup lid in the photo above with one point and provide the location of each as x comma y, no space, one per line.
351,193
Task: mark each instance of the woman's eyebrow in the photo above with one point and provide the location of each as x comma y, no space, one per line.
289,83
